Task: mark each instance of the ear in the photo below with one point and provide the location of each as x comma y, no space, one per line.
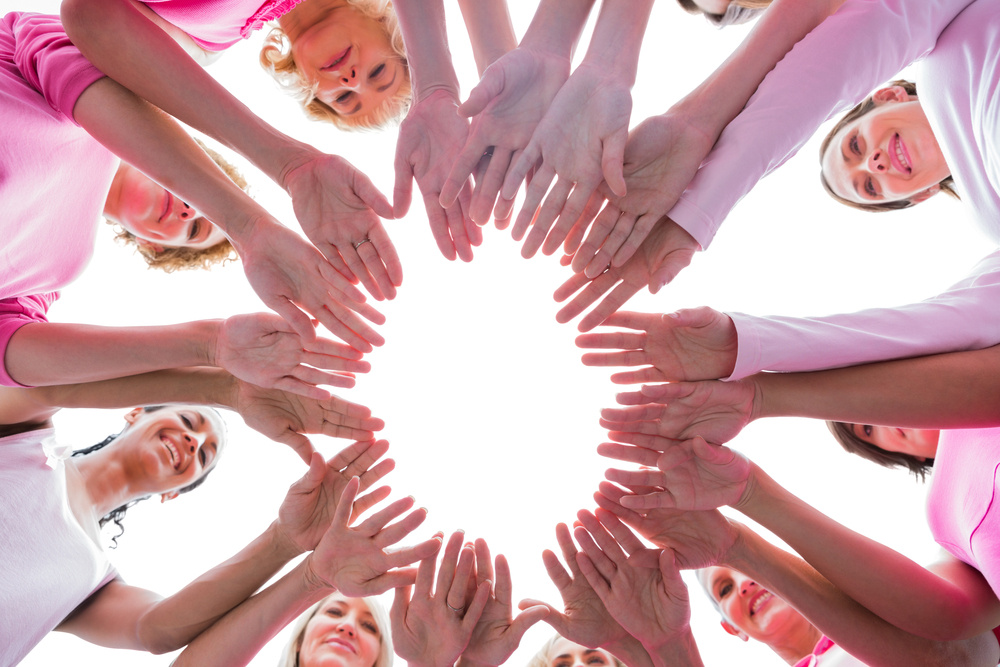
133,415
731,629
924,195
146,243
890,94
164,497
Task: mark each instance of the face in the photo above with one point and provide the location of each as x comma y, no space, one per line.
154,216
171,448
889,154
350,60
751,611
713,6
568,654
342,633
916,442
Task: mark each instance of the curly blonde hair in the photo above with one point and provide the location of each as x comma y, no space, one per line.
276,57
179,258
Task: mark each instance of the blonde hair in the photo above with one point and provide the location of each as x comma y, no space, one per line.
290,658
276,57
544,658
180,258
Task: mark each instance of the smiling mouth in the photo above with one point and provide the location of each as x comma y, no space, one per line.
759,601
337,641
168,206
175,456
337,61
900,157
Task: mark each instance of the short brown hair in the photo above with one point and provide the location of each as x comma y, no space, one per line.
844,434
947,185
180,258
276,57
738,11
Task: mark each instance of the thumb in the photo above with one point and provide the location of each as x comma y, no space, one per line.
489,87
673,264
304,448
402,193
370,195
613,162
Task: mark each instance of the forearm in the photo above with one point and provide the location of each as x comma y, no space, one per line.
617,37
886,582
630,651
964,392
557,25
124,44
680,651
490,29
175,621
235,639
426,37
44,353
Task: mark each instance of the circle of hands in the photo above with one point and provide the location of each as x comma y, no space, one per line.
601,194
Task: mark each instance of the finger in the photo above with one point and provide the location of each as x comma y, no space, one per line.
625,538
449,561
532,199
613,503
592,291
649,428
618,235
402,192
475,609
299,443
655,442
484,564
488,188
457,224
606,544
613,161
557,573
637,413
636,477
612,302
300,388
342,515
397,531
401,602
640,230
639,455
554,203
455,595
396,578
571,211
369,500
503,589
333,362
370,195
616,340
438,220
519,170
472,230
568,548
425,572
377,263
314,476
570,287
354,453
649,501
297,320
460,172
602,227
649,374
582,223
490,86
352,256
590,570
374,524
347,326
314,376
525,620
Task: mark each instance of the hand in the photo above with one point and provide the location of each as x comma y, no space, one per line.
693,344
584,618
640,587
664,253
717,411
427,630
498,632
661,157
698,539
506,107
429,139
339,209
311,503
284,417
692,474
581,139
260,348
356,561
287,274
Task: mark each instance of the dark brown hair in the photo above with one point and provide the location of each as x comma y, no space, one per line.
738,11
844,434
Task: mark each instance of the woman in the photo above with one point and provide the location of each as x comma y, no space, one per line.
561,652
722,13
355,628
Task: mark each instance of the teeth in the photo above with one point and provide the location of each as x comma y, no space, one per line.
174,455
901,156
759,601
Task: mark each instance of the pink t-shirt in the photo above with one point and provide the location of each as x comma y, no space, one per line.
54,177
216,25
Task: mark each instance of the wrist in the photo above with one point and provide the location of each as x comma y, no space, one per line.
208,351
680,650
629,650
281,544
759,407
465,662
311,580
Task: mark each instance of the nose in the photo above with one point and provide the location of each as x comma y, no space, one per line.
193,440
346,627
878,161
748,587
349,78
186,211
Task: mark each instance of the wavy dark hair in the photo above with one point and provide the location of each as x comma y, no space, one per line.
844,434
116,515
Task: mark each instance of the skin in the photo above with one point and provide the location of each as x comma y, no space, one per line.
712,6
347,55
154,216
750,611
920,443
889,154
570,654
342,633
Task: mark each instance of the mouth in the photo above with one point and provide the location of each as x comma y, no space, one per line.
337,642
168,206
175,455
337,61
759,601
899,156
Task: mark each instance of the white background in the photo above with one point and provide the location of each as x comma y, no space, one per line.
491,416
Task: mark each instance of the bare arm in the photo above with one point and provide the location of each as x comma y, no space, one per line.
490,30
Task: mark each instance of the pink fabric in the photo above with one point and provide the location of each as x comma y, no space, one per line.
216,25
959,91
826,649
54,177
48,564
14,314
962,508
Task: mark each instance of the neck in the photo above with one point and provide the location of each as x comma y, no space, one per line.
307,14
114,193
798,645
104,480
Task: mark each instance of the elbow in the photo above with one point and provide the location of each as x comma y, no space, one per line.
83,18
157,637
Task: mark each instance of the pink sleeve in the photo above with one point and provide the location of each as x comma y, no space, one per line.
48,61
966,317
14,314
866,43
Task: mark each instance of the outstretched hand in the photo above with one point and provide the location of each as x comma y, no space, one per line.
640,587
431,625
692,474
430,138
717,411
286,417
338,208
358,560
580,140
262,349
693,344
506,107
665,252
661,157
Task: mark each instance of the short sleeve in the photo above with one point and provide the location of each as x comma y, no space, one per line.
14,314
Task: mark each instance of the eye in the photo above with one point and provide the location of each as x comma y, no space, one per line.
195,228
870,188
867,430
370,627
853,145
344,97
596,660
187,422
203,457
724,590
333,611
375,73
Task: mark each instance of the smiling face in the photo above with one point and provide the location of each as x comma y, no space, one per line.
888,154
342,633
154,216
920,443
565,653
170,448
346,56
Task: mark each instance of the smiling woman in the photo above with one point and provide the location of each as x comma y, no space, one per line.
561,652
341,632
